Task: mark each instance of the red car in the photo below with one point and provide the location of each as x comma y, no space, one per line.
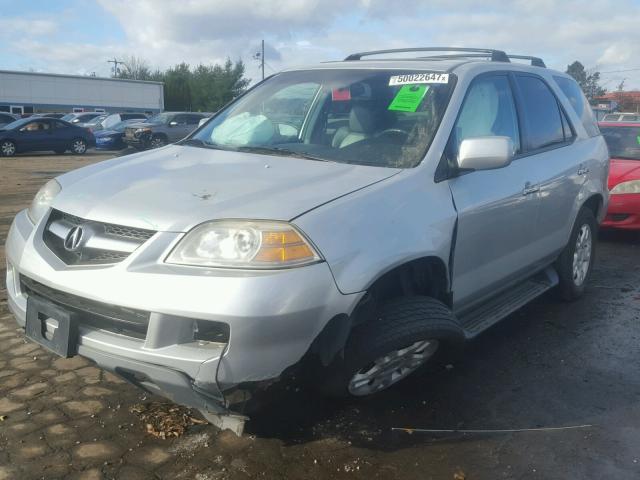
623,140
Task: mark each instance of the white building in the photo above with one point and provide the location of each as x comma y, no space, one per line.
27,92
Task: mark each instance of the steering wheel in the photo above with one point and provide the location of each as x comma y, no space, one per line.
394,132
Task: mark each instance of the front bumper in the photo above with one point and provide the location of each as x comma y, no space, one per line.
623,212
273,316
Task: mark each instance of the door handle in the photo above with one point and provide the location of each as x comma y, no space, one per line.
529,189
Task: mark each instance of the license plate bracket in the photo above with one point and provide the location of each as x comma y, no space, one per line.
51,326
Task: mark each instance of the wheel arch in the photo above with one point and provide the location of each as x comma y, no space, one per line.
595,203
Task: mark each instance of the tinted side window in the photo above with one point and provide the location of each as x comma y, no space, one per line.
488,110
580,104
541,113
193,119
130,116
60,125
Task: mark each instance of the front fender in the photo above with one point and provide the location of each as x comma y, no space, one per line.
369,232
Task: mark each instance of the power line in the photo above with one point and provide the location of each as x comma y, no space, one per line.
621,71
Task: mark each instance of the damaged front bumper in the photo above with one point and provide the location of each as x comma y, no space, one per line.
166,344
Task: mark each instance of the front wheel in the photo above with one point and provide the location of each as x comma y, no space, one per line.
7,148
157,141
406,335
79,146
576,261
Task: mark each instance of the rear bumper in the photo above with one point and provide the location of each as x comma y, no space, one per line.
273,316
623,212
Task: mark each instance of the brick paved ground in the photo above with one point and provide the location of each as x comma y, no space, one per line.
550,364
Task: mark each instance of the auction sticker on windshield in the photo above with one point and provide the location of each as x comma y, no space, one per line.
411,78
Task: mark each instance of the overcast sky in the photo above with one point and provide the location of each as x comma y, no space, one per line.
78,36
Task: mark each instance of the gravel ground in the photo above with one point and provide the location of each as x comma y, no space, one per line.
549,365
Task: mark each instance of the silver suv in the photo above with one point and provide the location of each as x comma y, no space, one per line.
353,218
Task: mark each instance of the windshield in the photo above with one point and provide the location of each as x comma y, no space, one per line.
623,142
97,120
385,118
68,117
159,118
120,126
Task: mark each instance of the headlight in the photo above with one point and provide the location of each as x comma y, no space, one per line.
140,131
626,187
240,244
42,200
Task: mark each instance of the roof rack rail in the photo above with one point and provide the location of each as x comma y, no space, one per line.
535,61
495,55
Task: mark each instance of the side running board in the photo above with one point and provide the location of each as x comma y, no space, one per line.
488,314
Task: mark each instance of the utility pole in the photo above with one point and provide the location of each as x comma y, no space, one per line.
115,62
260,56
262,59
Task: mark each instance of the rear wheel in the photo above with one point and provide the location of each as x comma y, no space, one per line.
79,146
576,261
406,336
7,148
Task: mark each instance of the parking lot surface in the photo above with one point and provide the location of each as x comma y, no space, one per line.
549,365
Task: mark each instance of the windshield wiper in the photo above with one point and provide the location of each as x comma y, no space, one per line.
283,152
196,142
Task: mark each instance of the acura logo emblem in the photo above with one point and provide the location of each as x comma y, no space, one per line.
73,239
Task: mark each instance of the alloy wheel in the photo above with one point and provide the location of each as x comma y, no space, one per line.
582,255
79,146
8,149
391,368
157,142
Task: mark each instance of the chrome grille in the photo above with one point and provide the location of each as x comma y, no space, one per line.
99,243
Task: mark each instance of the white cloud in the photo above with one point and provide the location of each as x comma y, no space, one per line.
600,33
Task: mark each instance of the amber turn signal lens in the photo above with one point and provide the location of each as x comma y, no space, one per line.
285,246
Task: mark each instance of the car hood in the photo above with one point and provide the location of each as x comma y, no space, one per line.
623,170
177,187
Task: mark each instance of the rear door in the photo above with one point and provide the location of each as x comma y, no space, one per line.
496,213
556,162
63,133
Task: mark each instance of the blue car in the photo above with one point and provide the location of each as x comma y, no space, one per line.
39,134
113,138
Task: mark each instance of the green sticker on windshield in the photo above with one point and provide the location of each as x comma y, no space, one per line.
408,98
638,139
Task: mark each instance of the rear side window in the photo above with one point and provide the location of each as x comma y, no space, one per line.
541,114
580,104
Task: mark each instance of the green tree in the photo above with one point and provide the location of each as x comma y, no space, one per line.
204,88
588,81
177,89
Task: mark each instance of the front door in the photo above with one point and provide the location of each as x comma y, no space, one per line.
496,211
34,136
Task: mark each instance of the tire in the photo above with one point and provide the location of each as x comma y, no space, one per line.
419,323
7,148
571,267
79,146
157,141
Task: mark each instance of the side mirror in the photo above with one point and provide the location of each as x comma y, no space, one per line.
485,153
173,123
